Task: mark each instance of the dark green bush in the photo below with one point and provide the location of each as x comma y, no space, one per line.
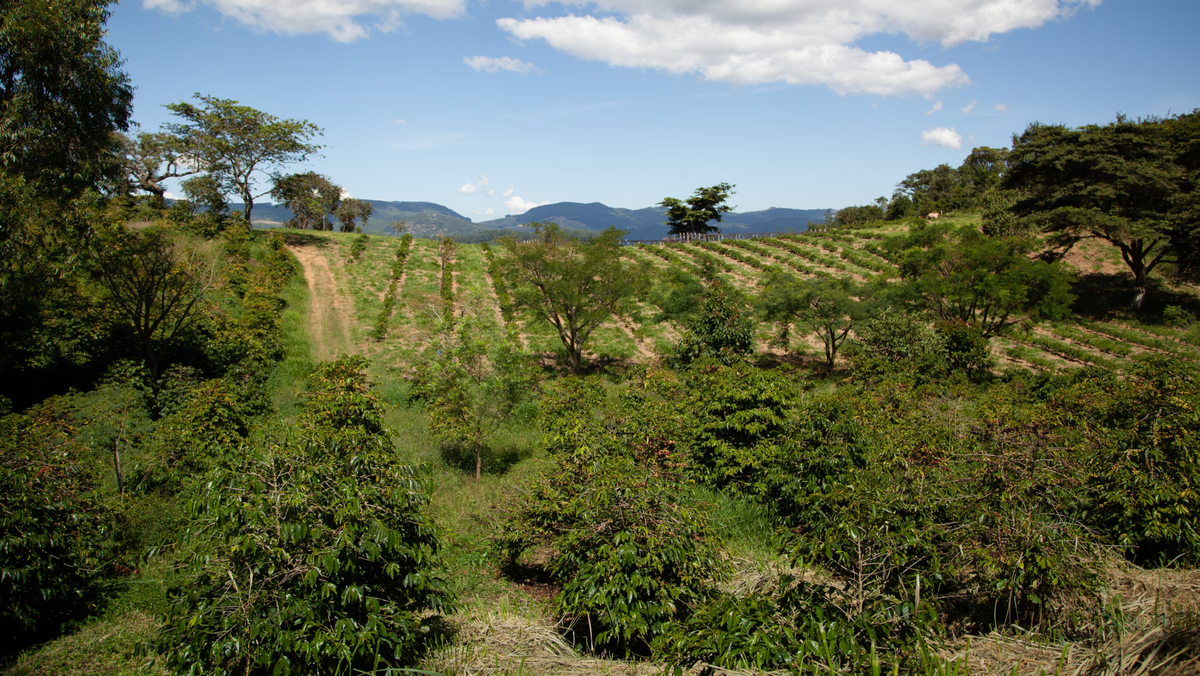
895,344
739,415
967,349
630,556
311,555
784,625
722,329
1144,430
59,542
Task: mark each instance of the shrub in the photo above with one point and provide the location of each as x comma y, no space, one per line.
357,247
58,540
780,626
895,344
629,555
739,414
967,349
1145,467
723,329
567,412
309,556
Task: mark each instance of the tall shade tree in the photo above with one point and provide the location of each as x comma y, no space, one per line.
1183,134
151,158
62,94
692,216
150,289
1115,182
575,286
311,197
62,97
826,307
351,210
237,143
963,276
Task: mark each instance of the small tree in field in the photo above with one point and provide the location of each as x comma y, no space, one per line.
474,379
150,288
574,285
828,308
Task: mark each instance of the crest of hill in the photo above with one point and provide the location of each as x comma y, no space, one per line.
426,219
650,223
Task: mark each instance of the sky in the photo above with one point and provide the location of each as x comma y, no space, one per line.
491,107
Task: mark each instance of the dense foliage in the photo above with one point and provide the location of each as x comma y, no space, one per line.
311,552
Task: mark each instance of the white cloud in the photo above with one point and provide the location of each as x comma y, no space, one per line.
517,206
937,108
470,188
942,136
801,42
486,212
400,122
503,63
508,193
966,110
1000,108
343,20
490,192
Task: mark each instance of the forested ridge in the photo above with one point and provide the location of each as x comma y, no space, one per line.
952,431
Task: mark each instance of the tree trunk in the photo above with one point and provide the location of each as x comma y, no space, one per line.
478,461
117,463
1139,289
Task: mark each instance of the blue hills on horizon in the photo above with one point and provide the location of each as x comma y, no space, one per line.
426,219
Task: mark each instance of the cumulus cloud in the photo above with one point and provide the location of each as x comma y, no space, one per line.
400,122
1000,108
343,20
508,193
517,206
486,212
488,64
470,188
966,110
801,42
937,107
946,137
490,192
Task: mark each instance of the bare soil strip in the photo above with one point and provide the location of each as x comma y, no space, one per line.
331,313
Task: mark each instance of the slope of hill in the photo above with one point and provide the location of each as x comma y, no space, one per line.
649,223
426,219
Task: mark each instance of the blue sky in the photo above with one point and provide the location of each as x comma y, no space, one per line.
492,107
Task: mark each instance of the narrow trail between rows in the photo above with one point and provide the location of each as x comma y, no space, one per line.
330,313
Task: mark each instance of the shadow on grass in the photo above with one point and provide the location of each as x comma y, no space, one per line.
304,238
1107,296
497,459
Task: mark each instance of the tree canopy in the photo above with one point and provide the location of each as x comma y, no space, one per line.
1124,182
235,143
62,94
151,158
574,285
826,307
692,216
311,197
961,275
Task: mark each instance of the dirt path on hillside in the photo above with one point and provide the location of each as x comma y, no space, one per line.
330,312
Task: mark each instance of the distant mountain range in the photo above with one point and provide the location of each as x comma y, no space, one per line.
426,219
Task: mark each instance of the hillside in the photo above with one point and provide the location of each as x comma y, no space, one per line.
934,479
427,219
